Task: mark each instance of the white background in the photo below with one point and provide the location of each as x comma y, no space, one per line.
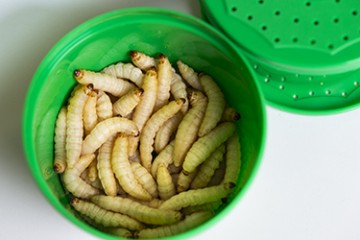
307,188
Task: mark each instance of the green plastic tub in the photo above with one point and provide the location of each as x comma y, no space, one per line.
107,39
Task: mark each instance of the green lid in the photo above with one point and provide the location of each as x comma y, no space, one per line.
306,53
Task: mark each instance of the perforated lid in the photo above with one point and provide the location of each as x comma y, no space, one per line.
306,53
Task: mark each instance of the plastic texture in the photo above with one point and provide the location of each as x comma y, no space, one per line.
306,53
107,39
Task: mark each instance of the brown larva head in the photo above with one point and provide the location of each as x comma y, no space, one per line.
78,74
202,74
195,96
134,54
139,91
74,201
151,72
236,116
230,185
162,58
58,168
180,101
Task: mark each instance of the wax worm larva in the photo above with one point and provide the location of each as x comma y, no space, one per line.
89,113
166,131
141,60
104,217
126,104
104,108
233,159
164,157
60,141
190,76
125,71
205,145
230,115
152,126
164,82
136,210
103,130
178,90
165,184
185,180
215,107
101,81
145,178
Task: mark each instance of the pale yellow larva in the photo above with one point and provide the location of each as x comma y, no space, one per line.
126,104
60,142
164,157
178,90
144,178
166,131
233,159
104,108
90,117
125,71
164,82
142,61
165,184
190,76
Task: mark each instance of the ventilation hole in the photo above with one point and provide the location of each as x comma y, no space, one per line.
327,92
316,23
250,17
346,38
277,13
313,42
295,96
295,40
283,79
354,13
331,46
356,83
277,40
308,4
337,1
234,9
281,87
311,93
296,20
266,80
343,94
264,28
261,2
336,20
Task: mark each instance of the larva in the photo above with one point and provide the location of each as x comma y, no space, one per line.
164,82
119,232
105,172
104,217
123,172
142,61
89,113
211,206
165,184
166,131
164,157
178,90
136,210
144,178
126,104
189,127
230,115
205,145
125,71
197,196
152,126
92,171
101,81
190,76
145,107
185,180
74,124
60,142
103,130
190,221
233,159
215,107
73,182
207,169
104,108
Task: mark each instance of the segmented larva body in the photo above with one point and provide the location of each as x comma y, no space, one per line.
145,107
230,115
211,206
137,210
105,172
92,171
125,71
215,107
233,159
123,172
126,104
90,115
104,217
194,197
190,221
189,127
152,126
178,90
144,178
101,81
74,124
104,108
164,82
73,182
185,180
60,142
165,184
142,61
190,76
219,174
103,130
120,232
166,131
205,145
164,157
207,169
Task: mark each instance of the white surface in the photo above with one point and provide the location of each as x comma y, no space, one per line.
308,185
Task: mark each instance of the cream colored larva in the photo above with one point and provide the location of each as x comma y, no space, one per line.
190,76
101,81
104,130
145,178
125,71
178,90
142,61
166,131
90,117
126,104
233,159
164,82
74,124
73,182
164,157
152,126
60,142
165,184
104,107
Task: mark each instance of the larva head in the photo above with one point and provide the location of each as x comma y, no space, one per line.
180,101
195,96
151,73
78,74
89,89
162,59
74,201
138,91
135,55
58,167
